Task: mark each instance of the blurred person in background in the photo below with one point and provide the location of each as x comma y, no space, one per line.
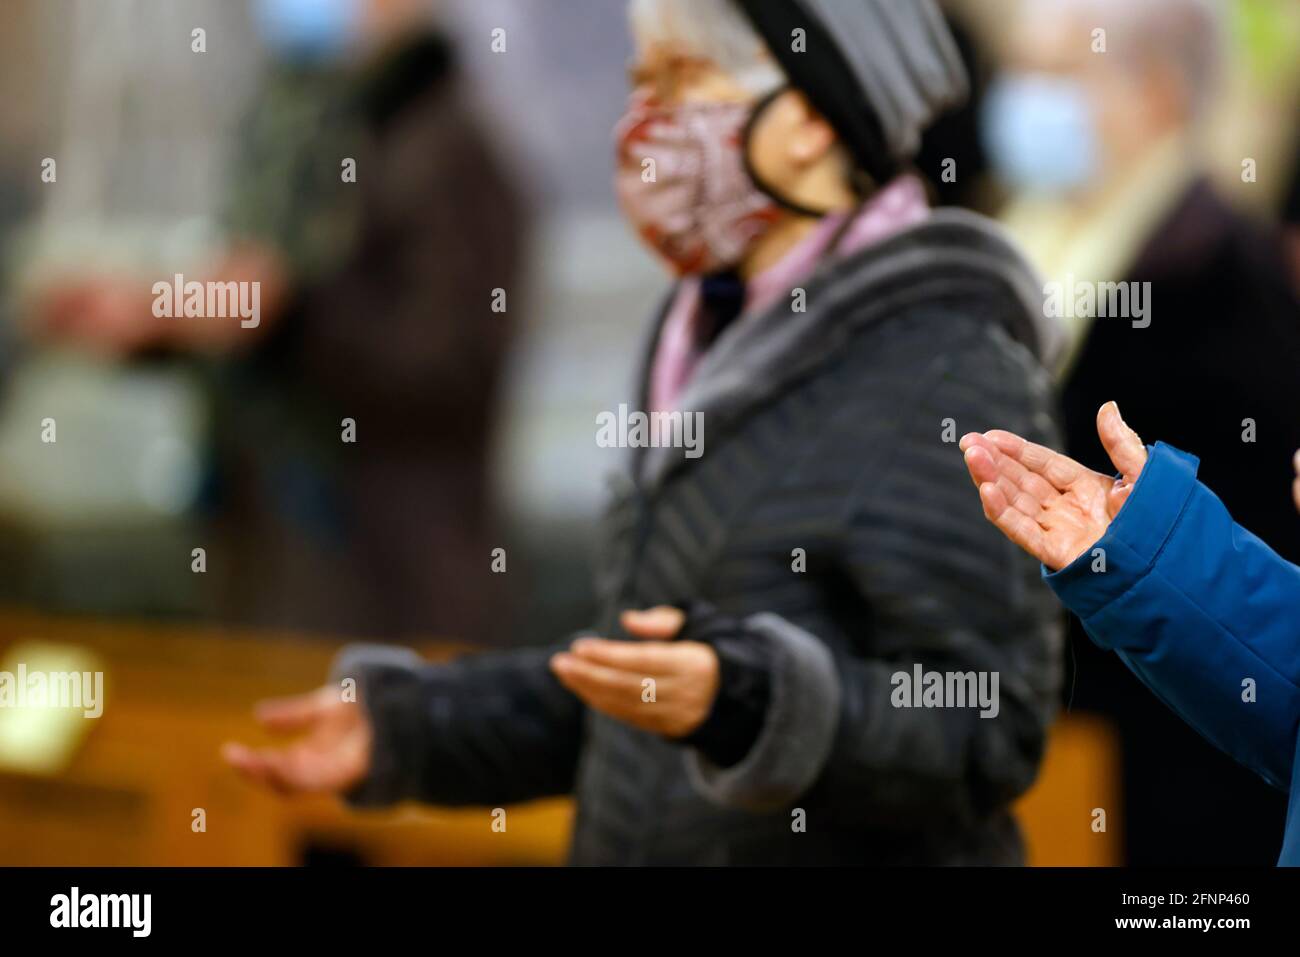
1291,219
1103,149
774,588
376,306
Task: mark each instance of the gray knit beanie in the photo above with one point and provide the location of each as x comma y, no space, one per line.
880,71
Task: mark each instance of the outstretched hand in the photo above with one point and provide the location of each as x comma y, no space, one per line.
1295,487
1047,503
331,754
659,683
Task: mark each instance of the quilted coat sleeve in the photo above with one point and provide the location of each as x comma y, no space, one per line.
484,729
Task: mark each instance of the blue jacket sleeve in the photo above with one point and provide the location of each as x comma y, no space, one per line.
1195,605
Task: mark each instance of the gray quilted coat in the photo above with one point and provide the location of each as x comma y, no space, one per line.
826,430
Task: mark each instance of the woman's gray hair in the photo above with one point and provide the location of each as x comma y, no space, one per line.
713,30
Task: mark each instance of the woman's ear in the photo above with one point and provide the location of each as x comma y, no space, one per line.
788,137
804,133
795,154
812,139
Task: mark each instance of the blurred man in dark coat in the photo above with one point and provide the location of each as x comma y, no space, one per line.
1103,147
379,224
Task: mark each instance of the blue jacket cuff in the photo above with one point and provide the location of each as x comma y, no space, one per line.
1121,557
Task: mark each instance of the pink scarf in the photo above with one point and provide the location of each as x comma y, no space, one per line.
899,205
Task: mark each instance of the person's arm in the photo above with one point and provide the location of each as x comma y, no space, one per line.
1199,608
1202,611
915,577
933,585
484,729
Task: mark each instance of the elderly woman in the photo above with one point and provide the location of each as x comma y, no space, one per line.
768,603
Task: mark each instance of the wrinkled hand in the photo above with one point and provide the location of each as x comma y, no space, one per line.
332,756
610,676
1048,504
1295,486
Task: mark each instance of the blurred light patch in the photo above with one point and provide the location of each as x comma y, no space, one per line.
128,442
39,734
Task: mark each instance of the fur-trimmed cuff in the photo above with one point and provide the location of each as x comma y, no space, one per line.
798,731
388,688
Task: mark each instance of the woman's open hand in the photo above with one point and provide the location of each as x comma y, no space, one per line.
1295,487
1047,503
656,684
332,753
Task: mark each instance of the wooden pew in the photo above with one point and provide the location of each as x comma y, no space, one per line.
175,693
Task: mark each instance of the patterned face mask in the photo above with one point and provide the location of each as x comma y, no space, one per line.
682,183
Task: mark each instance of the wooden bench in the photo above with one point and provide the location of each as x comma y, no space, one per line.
175,693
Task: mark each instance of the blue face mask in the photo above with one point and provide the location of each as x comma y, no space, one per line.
307,30
1040,133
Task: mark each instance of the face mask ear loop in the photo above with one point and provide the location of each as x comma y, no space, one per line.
746,136
842,230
